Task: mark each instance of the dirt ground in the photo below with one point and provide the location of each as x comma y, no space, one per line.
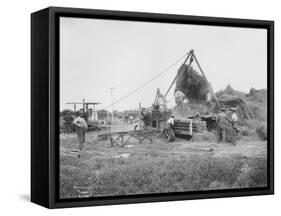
95,171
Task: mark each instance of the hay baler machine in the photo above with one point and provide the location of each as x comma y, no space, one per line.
89,114
158,114
187,125
183,126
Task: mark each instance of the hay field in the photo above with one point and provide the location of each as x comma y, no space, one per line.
141,168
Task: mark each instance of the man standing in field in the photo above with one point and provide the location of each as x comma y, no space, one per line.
222,122
171,122
234,118
234,121
82,127
169,131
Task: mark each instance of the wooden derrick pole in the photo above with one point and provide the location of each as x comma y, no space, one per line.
174,80
139,115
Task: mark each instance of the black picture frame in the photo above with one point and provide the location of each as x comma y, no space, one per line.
45,103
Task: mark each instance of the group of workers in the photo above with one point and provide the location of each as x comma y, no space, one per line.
128,119
224,123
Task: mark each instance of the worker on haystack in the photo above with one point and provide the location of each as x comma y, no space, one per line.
222,123
82,127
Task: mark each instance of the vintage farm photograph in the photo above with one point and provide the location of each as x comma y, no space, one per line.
156,108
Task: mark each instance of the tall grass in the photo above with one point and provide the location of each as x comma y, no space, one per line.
105,177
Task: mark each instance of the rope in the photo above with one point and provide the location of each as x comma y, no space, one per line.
146,83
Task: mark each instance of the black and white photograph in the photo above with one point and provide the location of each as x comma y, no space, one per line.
153,108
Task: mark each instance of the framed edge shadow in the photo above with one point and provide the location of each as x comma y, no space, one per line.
45,106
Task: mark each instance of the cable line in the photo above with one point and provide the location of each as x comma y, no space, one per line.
147,82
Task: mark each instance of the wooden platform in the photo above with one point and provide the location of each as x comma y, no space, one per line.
123,137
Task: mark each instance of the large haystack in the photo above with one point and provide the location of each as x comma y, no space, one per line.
257,101
232,98
230,91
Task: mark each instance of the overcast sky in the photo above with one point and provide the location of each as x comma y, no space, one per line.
99,54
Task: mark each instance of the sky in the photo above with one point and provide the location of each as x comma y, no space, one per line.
97,55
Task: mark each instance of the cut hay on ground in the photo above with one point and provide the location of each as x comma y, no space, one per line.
203,137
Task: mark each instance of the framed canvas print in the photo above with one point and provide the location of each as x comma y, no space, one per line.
138,107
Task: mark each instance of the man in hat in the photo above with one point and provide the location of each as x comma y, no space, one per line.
222,122
82,127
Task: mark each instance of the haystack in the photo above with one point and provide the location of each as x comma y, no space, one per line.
262,130
232,98
257,101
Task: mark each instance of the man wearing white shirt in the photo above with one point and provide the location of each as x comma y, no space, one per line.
234,121
82,126
171,122
234,117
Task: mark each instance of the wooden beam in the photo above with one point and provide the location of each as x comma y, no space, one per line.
139,115
188,55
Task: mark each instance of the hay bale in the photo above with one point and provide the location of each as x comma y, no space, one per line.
261,130
203,137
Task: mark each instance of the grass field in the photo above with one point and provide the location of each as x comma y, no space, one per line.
158,167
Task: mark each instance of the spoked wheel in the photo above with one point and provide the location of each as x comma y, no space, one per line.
170,135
